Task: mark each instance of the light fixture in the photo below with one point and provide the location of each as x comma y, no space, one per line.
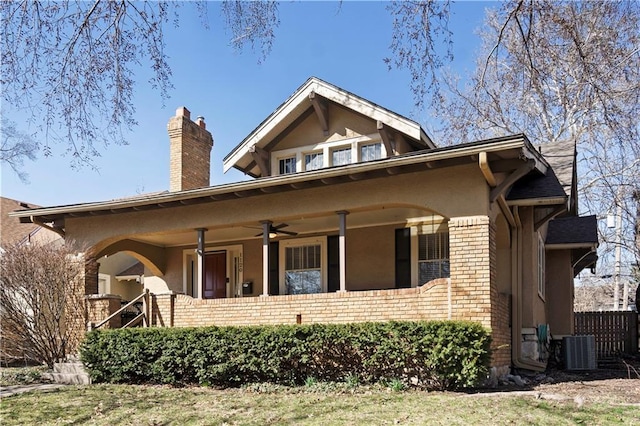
272,235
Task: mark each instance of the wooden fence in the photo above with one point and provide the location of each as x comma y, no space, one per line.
615,332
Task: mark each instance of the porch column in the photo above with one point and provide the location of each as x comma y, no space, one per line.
200,262
266,227
342,249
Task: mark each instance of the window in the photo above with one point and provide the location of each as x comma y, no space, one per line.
313,161
370,152
287,165
303,272
433,256
341,156
541,267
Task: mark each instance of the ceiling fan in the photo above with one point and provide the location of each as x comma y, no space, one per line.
275,230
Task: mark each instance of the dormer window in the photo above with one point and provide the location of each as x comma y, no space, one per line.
370,152
314,160
341,156
287,165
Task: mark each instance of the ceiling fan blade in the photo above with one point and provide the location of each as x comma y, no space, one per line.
287,232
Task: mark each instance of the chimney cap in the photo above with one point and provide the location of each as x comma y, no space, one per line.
183,112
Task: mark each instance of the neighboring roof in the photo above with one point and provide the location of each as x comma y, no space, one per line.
11,230
516,147
573,232
561,157
538,187
132,272
298,103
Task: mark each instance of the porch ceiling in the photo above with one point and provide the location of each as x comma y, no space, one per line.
303,226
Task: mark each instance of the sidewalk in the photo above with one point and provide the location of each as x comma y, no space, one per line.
18,389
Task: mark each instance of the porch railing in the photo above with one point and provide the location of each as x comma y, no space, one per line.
143,316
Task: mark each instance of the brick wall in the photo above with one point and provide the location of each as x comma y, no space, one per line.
427,302
475,296
100,306
189,152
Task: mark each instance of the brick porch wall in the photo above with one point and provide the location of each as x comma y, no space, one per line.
100,306
427,302
472,253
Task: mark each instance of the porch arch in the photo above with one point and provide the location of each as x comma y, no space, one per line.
151,256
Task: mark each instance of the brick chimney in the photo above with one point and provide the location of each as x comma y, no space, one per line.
189,153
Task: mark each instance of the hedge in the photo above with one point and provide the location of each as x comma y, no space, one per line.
431,355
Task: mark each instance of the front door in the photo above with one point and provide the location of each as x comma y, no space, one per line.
215,275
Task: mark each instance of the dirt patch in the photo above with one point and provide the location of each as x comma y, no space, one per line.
617,383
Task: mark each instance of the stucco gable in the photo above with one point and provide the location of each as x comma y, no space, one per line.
323,101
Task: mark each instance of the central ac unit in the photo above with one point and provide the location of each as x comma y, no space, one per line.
579,352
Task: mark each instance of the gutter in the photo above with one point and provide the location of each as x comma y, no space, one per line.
516,308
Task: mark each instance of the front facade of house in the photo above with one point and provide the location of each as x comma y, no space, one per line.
354,215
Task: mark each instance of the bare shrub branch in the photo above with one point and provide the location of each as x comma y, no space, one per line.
41,302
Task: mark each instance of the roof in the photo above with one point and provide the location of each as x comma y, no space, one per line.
536,186
12,231
573,231
299,103
561,157
133,271
504,149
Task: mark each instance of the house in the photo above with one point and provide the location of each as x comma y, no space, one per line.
354,215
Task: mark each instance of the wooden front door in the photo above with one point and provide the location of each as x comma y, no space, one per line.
215,275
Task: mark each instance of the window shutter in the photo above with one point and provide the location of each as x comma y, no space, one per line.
333,258
274,277
403,258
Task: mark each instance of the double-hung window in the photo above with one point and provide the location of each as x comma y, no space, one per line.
341,156
433,257
370,152
287,165
302,266
303,269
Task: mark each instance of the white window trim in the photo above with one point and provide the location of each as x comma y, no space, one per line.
326,147
541,268
297,242
316,151
234,289
383,150
107,282
436,228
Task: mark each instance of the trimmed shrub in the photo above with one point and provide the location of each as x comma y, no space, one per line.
430,355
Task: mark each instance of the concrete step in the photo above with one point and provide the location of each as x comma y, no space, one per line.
69,368
66,378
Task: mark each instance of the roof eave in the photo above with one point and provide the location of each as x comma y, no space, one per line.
468,150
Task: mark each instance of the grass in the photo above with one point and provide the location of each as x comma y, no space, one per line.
312,404
21,375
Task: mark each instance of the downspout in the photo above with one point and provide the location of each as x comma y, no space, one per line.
516,302
516,266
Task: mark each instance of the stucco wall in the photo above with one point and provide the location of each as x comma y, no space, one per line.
560,292
342,124
371,258
455,191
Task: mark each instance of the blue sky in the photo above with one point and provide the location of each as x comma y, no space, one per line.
342,44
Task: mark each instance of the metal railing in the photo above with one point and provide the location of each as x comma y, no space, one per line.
143,316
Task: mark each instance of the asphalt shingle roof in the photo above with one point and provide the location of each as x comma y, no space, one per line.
573,230
536,186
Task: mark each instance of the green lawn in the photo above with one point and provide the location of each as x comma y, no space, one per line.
311,405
